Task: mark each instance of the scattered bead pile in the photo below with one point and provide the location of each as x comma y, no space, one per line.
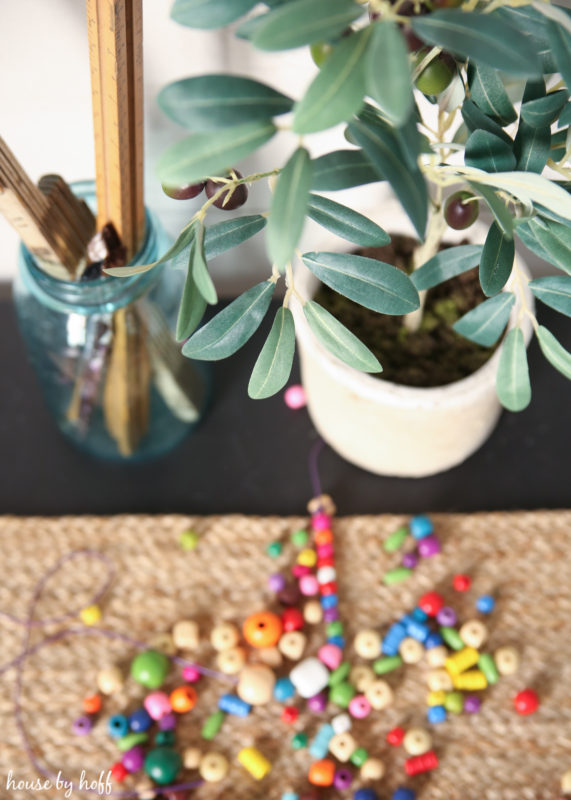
427,544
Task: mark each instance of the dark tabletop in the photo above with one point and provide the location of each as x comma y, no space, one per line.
251,456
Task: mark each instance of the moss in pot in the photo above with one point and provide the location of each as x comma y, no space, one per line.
378,65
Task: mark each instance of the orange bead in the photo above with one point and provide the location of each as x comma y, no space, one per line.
92,704
263,629
323,537
183,699
321,773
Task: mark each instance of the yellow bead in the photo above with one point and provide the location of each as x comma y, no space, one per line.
110,680
224,636
436,698
367,644
372,770
566,782
231,661
256,684
213,767
507,660
163,643
436,656
379,694
268,655
312,612
473,633
342,746
257,764
307,557
185,634
417,741
90,615
439,680
462,660
470,681
191,757
361,677
411,651
292,645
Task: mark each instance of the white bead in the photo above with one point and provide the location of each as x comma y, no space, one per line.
326,574
439,680
411,651
566,782
342,723
309,677
379,694
367,643
185,634
474,633
191,757
417,741
292,644
361,677
507,660
110,680
372,770
312,612
342,746
437,656
224,636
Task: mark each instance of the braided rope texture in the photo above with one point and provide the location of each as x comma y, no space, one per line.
522,558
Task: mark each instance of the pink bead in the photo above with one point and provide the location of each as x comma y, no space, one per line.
157,704
299,570
191,674
359,707
331,655
325,550
321,521
309,585
294,396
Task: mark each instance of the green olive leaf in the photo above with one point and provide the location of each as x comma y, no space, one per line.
273,367
512,381
340,342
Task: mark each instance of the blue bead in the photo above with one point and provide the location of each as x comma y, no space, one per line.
140,721
118,726
329,601
320,745
338,640
365,794
436,714
419,614
433,640
394,636
232,704
485,603
421,526
283,689
404,794
418,631
290,796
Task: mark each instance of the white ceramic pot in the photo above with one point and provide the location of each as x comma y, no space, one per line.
391,429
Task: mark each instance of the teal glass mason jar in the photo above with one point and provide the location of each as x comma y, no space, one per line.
104,351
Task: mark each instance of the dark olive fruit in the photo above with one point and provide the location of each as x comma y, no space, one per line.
234,199
320,52
183,192
408,9
413,42
437,75
92,271
461,210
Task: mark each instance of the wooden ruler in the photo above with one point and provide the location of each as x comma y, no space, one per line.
116,57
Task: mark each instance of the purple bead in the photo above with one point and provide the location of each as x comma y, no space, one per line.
410,560
472,704
429,546
330,614
276,582
82,725
318,702
134,758
289,595
446,617
343,778
167,722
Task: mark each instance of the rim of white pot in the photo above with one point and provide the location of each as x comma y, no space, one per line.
399,395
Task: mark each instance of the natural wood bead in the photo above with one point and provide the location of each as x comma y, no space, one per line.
474,633
507,660
417,741
439,680
379,694
224,636
185,634
213,767
312,612
411,651
268,655
231,661
292,645
436,656
566,781
372,770
322,503
256,684
110,680
342,746
191,757
163,643
146,789
367,644
361,677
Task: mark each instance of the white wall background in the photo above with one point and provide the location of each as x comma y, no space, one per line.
45,110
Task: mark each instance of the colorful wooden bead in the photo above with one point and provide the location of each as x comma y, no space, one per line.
292,645
526,702
472,704
183,699
309,585
119,772
418,764
191,673
263,629
213,767
452,638
410,560
365,794
317,703
326,575
134,758
167,738
359,757
421,526
341,723
300,537
276,582
439,680
290,796
319,747
274,549
331,655
294,397
321,521
342,746
90,615
289,715
341,694
340,674
110,680
309,677
417,741
437,656
379,694
191,757
322,537
474,633
361,676
256,684
433,640
454,702
163,765
396,539
188,540
462,660
411,651
343,778
150,668
395,736
212,725
485,604
82,725
131,740
118,726
92,704
461,582
431,603
168,721
367,644
403,793
322,773
312,612
507,660
387,664
487,665
372,770
299,741
257,764
396,575
224,636
359,707
429,546
231,661
157,704
283,690
436,698
447,616
307,557
436,714
270,656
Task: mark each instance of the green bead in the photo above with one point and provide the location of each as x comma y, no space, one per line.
163,765
338,675
188,540
334,628
299,741
387,664
274,549
396,575
165,738
300,538
488,667
150,669
396,539
452,638
342,693
359,757
130,740
454,702
212,725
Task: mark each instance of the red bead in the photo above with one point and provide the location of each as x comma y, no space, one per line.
526,702
462,582
290,714
431,603
423,763
395,737
119,772
328,588
299,570
292,619
327,561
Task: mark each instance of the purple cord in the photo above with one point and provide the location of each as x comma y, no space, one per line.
313,467
29,623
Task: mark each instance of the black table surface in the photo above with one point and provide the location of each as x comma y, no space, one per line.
252,456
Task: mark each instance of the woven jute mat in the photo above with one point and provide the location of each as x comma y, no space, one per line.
523,558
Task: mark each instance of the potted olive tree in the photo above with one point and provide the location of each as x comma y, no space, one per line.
495,132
